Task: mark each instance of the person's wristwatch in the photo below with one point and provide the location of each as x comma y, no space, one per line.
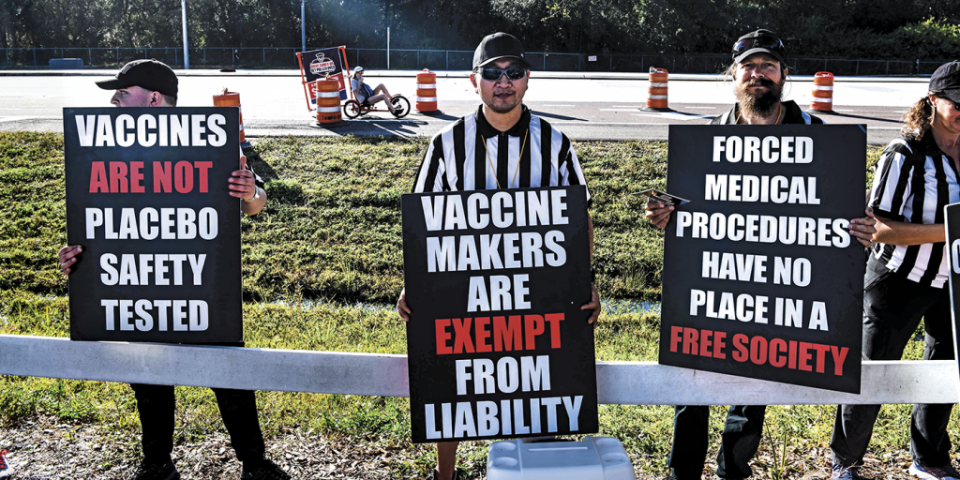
256,195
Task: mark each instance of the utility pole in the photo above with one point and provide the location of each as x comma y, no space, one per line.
303,27
388,48
186,52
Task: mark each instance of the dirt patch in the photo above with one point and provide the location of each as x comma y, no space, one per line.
47,449
44,449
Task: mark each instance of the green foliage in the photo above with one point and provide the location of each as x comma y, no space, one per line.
847,29
930,38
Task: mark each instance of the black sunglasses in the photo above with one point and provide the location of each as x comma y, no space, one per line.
493,74
768,42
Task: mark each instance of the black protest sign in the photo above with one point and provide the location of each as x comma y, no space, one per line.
762,278
147,199
497,343
952,215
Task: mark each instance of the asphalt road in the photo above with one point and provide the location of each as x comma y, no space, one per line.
597,107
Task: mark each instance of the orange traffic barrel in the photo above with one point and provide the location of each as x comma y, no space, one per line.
657,93
230,99
328,100
426,91
822,92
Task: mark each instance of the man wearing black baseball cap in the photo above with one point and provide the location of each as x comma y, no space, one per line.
508,147
143,83
151,83
759,72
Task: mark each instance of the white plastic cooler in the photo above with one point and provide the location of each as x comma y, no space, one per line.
600,458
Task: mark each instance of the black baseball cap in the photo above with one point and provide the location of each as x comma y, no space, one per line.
947,78
151,74
496,46
760,41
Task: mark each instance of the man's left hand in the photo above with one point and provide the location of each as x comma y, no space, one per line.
594,305
243,184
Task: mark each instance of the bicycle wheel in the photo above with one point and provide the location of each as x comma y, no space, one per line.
402,106
351,109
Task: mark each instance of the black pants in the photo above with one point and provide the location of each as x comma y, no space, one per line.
740,440
892,308
156,404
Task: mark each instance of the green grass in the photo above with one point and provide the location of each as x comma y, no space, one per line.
322,264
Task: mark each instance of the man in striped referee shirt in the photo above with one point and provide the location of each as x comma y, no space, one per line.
759,74
501,145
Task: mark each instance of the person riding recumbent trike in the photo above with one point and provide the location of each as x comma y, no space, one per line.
363,99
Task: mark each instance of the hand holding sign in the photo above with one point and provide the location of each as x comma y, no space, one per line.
242,183
864,229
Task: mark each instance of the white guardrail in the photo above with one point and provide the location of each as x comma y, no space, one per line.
624,383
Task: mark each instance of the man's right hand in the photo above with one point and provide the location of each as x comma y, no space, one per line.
657,214
68,257
402,307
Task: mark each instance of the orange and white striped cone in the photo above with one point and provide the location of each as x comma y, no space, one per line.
427,91
822,92
657,92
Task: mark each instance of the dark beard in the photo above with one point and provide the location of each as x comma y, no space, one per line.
763,106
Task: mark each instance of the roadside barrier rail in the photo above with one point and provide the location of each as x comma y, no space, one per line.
624,383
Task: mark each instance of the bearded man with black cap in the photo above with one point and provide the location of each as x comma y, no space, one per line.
501,145
759,74
151,83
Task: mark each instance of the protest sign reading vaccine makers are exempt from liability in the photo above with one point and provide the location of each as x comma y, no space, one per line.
148,201
761,277
497,343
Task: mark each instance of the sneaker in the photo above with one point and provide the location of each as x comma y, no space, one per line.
155,471
6,471
436,475
929,473
845,473
266,471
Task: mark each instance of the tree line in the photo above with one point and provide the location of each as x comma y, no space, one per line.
869,29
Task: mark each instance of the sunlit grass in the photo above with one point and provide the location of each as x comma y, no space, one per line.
322,267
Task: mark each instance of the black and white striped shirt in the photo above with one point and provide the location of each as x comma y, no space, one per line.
912,183
472,155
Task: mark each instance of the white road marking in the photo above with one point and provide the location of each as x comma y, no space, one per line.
673,116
